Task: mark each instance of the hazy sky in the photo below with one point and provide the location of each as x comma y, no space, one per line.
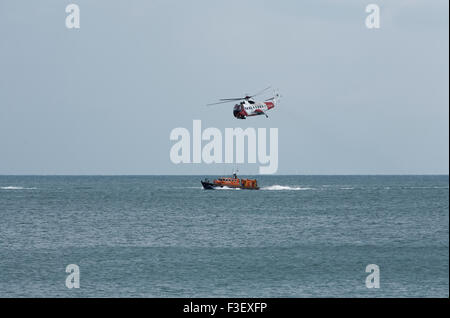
103,99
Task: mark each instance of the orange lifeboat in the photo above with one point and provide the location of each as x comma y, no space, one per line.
231,182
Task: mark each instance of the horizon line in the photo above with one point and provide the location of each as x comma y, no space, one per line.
209,174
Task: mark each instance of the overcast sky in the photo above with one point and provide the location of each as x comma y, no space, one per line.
103,99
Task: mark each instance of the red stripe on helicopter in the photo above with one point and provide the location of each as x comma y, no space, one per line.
269,105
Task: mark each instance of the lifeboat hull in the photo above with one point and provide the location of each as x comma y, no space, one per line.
208,185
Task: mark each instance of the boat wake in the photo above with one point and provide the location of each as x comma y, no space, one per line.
15,188
226,188
278,187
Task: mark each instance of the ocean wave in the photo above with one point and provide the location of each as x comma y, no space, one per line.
15,188
278,187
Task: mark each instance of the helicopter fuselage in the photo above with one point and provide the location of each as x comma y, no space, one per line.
249,108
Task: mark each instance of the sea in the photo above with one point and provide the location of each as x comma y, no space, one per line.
164,236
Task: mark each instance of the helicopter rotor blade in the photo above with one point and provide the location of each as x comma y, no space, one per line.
246,96
222,102
229,100
259,93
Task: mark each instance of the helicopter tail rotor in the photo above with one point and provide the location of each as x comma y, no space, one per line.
275,99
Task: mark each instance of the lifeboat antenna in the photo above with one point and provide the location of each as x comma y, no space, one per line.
236,170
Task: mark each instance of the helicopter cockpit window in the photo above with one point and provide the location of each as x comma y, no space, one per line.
251,102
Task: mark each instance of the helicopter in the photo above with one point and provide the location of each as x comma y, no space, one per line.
249,107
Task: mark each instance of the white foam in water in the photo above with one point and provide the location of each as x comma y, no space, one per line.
280,187
226,188
15,188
